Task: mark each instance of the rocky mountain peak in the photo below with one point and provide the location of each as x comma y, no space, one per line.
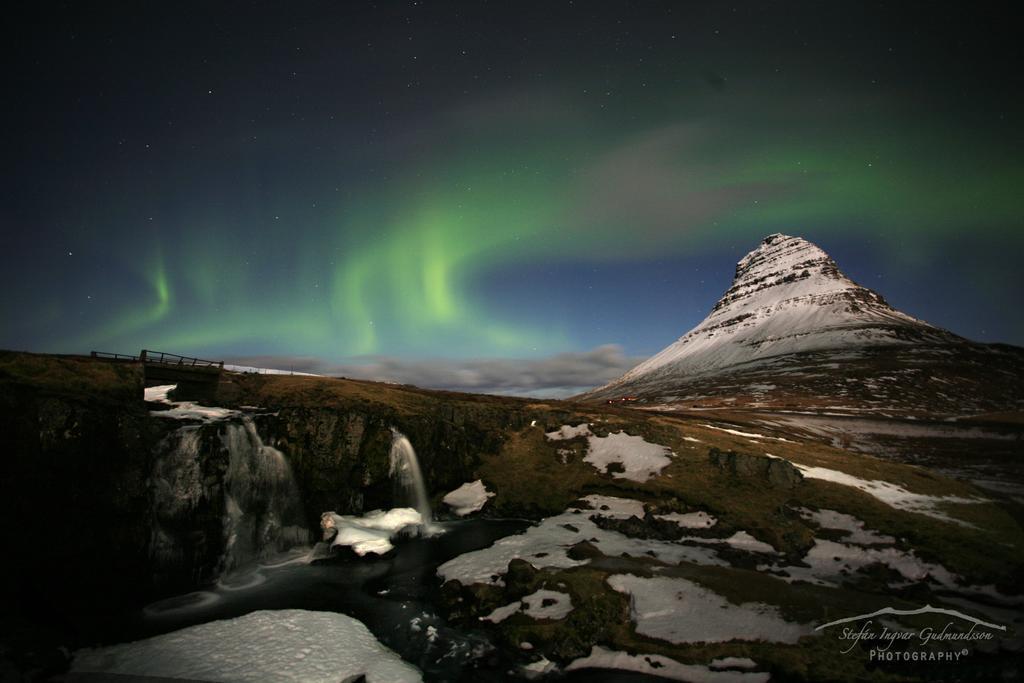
779,262
788,297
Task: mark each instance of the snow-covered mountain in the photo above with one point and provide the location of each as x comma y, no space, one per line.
790,314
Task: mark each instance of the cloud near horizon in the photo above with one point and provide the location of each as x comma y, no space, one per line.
556,376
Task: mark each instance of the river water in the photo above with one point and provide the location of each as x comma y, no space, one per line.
395,596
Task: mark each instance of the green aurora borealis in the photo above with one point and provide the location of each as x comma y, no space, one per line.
325,205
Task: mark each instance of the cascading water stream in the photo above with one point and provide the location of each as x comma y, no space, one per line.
405,469
221,498
263,505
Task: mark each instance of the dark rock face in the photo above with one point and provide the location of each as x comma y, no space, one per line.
73,518
773,471
186,508
340,457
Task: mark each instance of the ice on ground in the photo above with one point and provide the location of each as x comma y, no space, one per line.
545,604
856,532
500,614
733,663
372,532
640,460
158,394
568,432
188,410
891,494
744,541
542,667
616,508
690,520
749,435
468,498
681,611
548,543
830,562
658,665
270,645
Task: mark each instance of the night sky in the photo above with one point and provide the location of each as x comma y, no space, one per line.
512,197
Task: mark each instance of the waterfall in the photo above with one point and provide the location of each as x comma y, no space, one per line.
405,469
263,508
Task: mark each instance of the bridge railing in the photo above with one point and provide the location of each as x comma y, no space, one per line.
113,356
147,356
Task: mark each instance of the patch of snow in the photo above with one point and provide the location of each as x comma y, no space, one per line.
749,435
691,439
372,532
681,611
547,545
640,459
267,371
856,532
658,665
269,645
733,663
158,394
500,614
568,432
690,520
468,498
829,562
744,541
559,607
892,494
542,667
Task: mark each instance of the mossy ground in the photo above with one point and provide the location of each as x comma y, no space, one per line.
72,376
533,476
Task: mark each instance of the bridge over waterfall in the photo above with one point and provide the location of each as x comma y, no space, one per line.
192,375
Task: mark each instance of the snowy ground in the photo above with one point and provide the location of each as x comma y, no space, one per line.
543,604
468,498
681,611
371,533
266,371
892,494
690,520
856,531
280,645
548,544
633,457
639,460
657,665
829,563
566,432
749,435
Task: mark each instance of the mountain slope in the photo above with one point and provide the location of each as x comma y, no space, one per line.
789,314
